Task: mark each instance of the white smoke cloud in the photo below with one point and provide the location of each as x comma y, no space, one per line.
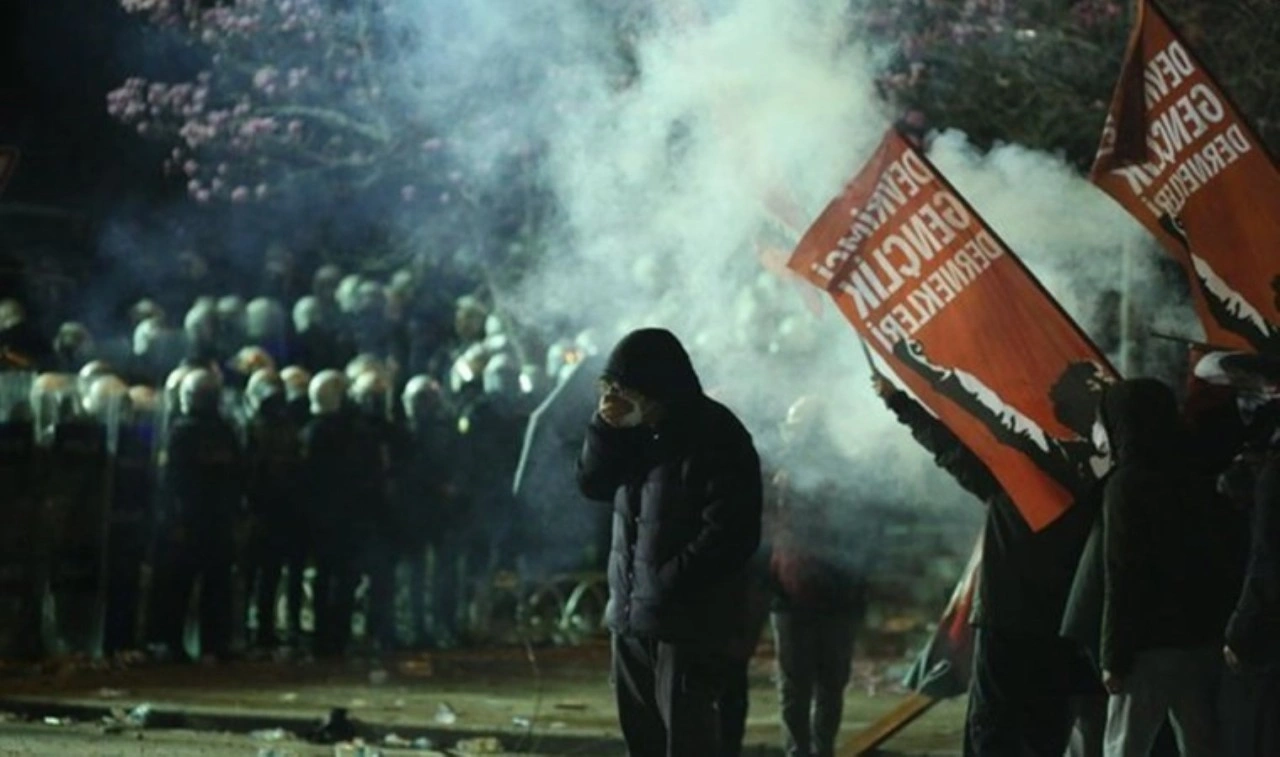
662,187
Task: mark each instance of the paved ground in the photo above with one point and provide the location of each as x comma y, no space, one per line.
557,703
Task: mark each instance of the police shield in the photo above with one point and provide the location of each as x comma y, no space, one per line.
77,491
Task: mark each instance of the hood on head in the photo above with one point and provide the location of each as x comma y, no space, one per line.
654,363
1142,421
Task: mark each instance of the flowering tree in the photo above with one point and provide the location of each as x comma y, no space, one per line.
312,104
1041,72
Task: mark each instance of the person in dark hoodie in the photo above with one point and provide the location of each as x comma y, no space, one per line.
683,476
1166,573
1252,648
1024,672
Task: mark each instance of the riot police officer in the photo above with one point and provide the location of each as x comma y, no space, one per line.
203,474
379,452
492,425
274,462
77,489
428,509
329,477
296,381
19,542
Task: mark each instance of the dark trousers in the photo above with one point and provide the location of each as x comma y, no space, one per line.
414,559
815,652
735,701
668,697
202,557
278,549
1251,713
445,588
1019,697
335,586
126,551
380,565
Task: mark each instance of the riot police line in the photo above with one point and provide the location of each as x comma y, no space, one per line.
261,511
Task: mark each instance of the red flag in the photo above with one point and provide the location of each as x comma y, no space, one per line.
964,325
1180,158
943,667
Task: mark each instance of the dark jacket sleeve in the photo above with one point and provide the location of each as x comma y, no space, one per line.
729,529
1256,618
609,457
948,451
1122,557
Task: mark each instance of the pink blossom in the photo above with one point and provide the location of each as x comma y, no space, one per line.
193,186
408,193
265,77
240,194
202,196
260,191
190,168
217,184
433,144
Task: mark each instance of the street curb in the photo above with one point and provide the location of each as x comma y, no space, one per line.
168,717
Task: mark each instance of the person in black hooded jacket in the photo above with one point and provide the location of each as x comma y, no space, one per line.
1024,672
1167,570
1253,633
684,479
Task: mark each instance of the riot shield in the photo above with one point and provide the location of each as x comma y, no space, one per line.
77,492
131,519
572,533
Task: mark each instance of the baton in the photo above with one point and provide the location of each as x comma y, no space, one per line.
1192,342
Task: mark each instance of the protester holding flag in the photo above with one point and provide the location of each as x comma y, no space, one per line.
1163,613
1023,672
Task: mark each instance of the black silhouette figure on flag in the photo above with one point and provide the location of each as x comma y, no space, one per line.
1076,462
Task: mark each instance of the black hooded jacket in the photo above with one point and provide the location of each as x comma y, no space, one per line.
1254,628
1025,575
687,499
1165,535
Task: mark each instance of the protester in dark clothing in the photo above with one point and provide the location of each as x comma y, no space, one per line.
1253,632
1024,673
735,699
1167,569
820,597
204,479
684,479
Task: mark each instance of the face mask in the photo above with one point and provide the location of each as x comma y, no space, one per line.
633,418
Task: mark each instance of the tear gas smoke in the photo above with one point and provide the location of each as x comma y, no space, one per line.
664,137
